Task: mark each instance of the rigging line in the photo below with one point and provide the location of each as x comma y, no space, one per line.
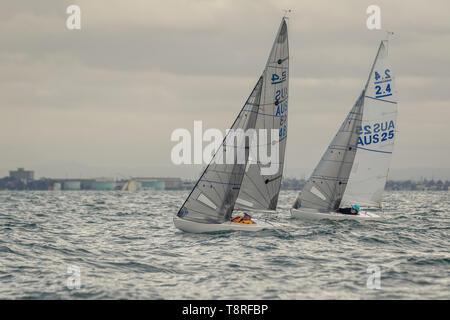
327,178
265,114
218,182
232,173
273,103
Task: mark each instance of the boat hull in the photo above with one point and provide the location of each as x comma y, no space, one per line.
195,227
308,214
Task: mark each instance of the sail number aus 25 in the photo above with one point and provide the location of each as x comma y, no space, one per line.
376,133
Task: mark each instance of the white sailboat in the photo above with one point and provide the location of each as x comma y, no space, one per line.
210,204
131,185
354,168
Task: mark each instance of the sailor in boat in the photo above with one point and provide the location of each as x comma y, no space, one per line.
245,219
354,210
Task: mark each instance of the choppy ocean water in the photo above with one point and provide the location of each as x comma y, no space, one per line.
125,246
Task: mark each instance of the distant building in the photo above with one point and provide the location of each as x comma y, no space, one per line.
161,183
103,184
72,185
22,175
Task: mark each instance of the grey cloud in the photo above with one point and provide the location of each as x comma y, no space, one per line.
110,94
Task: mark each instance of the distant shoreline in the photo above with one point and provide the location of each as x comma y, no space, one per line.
161,184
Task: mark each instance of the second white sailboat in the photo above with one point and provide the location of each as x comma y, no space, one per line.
353,170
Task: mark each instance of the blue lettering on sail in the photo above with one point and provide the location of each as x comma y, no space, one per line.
282,113
277,78
281,94
281,109
375,133
382,84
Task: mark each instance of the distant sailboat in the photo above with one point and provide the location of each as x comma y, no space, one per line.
211,202
354,168
131,185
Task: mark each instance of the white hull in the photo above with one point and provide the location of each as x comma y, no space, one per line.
310,214
195,227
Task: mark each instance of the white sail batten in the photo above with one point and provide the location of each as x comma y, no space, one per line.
258,190
376,136
213,197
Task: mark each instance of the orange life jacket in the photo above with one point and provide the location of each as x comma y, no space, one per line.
241,220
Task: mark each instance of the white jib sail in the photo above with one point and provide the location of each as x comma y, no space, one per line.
376,136
259,190
326,186
214,195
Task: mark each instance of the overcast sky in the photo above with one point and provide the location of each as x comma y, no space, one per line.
105,99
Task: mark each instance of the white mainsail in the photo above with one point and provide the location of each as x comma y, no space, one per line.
377,135
259,191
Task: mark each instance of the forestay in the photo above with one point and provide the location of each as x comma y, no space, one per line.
258,190
377,135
